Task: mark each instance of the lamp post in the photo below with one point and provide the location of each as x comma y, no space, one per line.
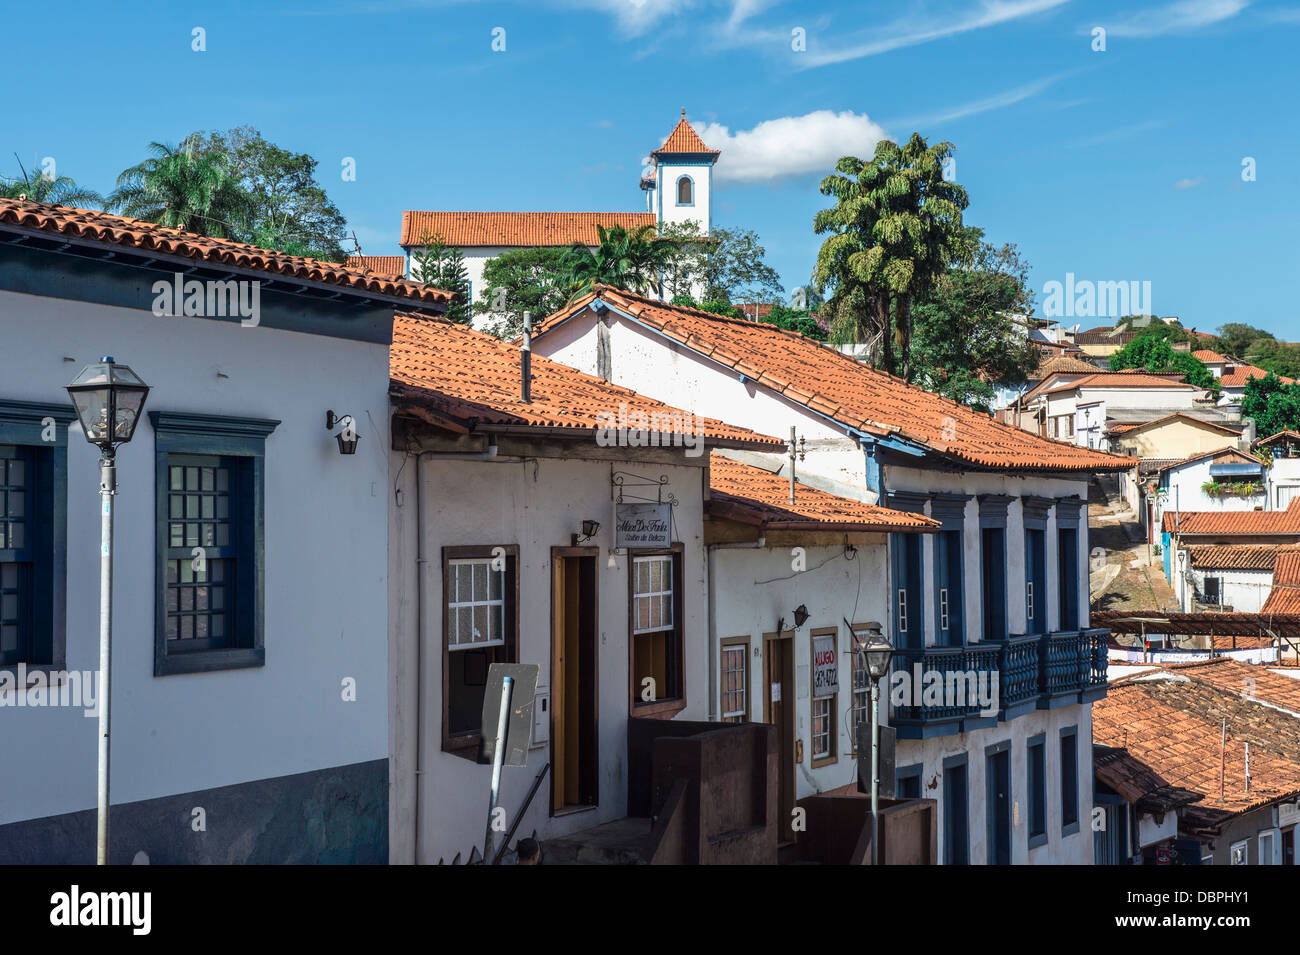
108,398
877,653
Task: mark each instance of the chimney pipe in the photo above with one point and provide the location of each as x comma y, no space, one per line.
526,360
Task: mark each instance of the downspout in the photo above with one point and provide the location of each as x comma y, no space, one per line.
487,455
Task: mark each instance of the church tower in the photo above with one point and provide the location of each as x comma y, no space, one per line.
678,182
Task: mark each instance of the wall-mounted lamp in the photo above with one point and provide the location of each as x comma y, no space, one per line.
348,437
589,530
800,616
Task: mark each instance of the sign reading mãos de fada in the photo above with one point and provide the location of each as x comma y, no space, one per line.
643,525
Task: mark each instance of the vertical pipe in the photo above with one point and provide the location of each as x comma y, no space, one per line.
498,758
107,488
526,361
875,771
792,446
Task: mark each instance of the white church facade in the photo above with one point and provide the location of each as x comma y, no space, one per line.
677,181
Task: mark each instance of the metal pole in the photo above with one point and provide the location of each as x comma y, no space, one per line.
498,758
792,447
107,488
875,772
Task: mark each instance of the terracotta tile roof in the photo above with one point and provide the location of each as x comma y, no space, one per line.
1234,523
465,229
463,381
1236,557
847,391
1207,357
1124,379
1137,782
1131,425
1065,365
1287,433
1218,454
754,496
380,264
1220,643
1248,679
1241,374
146,236
1285,595
1172,723
684,139
1104,335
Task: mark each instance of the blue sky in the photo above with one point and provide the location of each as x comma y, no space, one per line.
1115,165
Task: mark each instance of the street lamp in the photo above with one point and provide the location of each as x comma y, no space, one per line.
108,398
876,653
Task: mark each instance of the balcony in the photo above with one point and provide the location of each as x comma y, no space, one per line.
1032,672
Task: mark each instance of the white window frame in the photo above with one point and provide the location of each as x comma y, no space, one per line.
943,608
742,649
1029,600
455,605
1274,857
818,704
902,610
665,602
1244,846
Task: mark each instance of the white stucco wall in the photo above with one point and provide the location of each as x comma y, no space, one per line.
537,504
667,173
1185,491
325,575
1243,590
756,587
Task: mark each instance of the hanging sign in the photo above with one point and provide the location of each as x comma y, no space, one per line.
826,671
643,525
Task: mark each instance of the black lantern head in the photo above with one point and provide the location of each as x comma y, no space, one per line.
109,399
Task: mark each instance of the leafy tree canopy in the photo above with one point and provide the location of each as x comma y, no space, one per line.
184,187
40,186
1241,340
518,281
1154,353
443,266
627,260
1274,405
728,264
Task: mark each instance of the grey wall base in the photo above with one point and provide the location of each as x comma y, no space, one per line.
333,816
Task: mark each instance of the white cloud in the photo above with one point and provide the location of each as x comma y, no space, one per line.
791,145
1176,18
912,32
635,17
1189,183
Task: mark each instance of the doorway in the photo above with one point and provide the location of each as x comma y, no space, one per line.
998,768
778,709
574,679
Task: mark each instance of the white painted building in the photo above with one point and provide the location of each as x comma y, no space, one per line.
250,587
965,599
678,185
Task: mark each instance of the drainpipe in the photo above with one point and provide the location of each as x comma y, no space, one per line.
487,455
709,551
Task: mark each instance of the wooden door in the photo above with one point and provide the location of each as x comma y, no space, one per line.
574,682
778,695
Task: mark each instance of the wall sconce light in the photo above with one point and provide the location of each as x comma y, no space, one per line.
348,437
800,616
589,530
611,564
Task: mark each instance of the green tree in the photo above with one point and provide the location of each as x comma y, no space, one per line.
1273,404
443,266
796,320
184,188
289,210
727,265
896,226
1241,340
52,189
518,281
1154,353
1281,358
623,259
970,334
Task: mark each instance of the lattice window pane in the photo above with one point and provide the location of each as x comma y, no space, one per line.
475,603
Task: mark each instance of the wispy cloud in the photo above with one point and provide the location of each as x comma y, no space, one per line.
1189,183
1115,133
913,31
635,17
998,101
791,145
1179,17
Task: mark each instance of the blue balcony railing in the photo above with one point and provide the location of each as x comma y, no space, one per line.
1032,671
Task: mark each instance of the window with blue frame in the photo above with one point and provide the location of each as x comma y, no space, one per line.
685,191
1035,575
33,533
907,781
949,583
993,564
1070,780
909,587
1037,770
1068,511
210,473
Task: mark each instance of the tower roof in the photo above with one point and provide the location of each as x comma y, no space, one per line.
684,141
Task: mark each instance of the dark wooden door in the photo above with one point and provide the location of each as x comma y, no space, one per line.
778,689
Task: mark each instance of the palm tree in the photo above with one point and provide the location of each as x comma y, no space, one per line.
896,227
627,260
183,188
55,190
